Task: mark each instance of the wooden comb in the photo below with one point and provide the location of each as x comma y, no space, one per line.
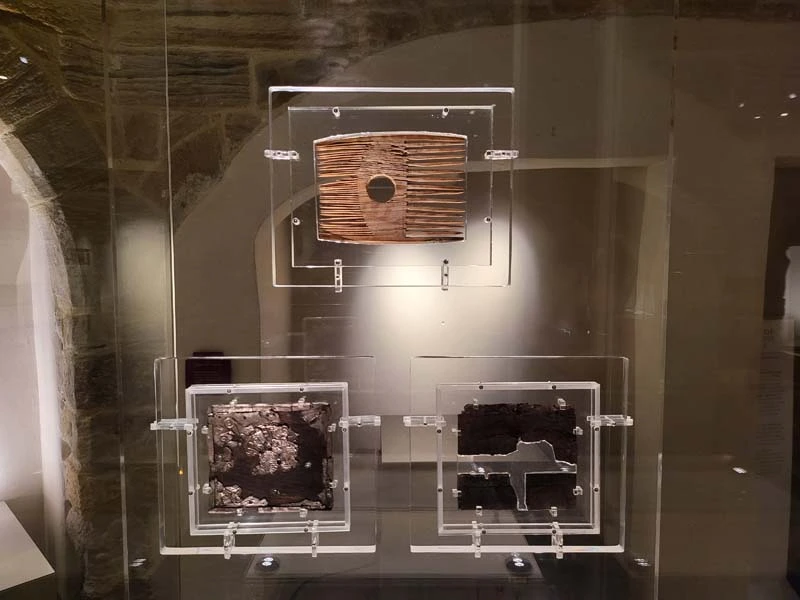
398,187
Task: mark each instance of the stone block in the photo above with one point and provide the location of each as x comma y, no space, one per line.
138,77
185,124
56,138
135,23
96,381
92,489
32,35
147,188
74,17
138,135
197,163
25,93
81,66
224,29
209,78
104,575
239,127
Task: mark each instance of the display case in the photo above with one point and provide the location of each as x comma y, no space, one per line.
415,332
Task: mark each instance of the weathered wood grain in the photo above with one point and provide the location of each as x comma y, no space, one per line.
428,172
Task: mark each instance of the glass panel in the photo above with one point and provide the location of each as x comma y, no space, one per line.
577,113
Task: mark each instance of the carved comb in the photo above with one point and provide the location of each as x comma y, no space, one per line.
398,187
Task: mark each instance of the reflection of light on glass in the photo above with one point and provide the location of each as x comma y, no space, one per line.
23,59
784,114
757,117
739,470
3,77
741,104
270,563
792,96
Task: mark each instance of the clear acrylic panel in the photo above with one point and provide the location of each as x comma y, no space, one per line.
303,256
529,454
590,120
275,465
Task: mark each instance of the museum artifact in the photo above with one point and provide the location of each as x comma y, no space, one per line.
521,456
267,457
396,187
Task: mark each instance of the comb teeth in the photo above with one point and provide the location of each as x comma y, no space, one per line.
428,173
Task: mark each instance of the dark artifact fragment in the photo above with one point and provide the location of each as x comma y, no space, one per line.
268,457
496,428
494,492
523,456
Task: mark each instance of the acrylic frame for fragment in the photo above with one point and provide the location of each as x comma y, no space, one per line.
584,396
475,249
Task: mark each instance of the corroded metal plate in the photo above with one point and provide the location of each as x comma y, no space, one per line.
526,455
268,457
399,187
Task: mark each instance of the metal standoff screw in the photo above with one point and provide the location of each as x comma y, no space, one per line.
295,220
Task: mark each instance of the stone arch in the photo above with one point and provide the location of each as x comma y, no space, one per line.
53,151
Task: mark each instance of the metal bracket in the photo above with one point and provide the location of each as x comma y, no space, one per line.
424,421
187,425
359,421
281,154
501,154
229,540
610,420
445,274
314,538
337,275
557,540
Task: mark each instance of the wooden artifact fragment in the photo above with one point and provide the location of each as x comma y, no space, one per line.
398,187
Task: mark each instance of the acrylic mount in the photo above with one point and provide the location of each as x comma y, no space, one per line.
391,186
